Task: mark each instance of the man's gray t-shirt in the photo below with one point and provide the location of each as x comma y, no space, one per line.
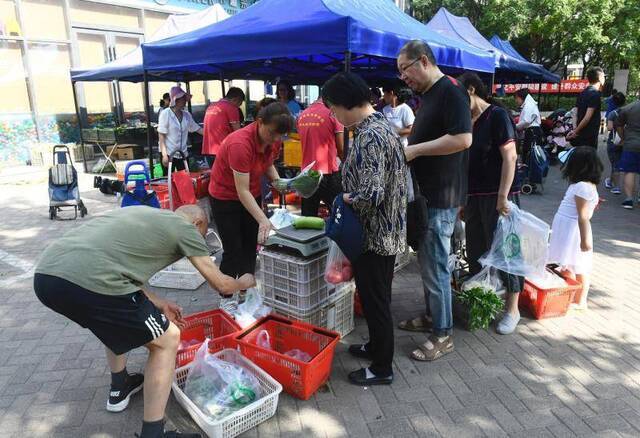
116,253
629,117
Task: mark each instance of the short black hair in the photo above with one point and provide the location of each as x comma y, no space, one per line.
619,98
277,114
235,93
375,92
347,90
291,93
416,49
522,93
583,164
261,104
593,73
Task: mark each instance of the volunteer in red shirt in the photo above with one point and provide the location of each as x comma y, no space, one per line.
322,141
220,120
244,157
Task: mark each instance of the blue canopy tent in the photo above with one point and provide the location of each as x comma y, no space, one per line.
508,68
506,47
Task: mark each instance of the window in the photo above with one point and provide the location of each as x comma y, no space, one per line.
50,66
104,15
8,18
44,19
13,86
92,52
152,22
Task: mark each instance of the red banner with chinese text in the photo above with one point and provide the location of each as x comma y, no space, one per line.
566,86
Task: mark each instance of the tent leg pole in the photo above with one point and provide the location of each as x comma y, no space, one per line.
222,85
147,110
188,85
347,68
75,103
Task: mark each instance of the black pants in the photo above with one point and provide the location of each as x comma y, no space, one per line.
373,275
178,164
532,136
238,231
330,187
481,219
210,160
586,141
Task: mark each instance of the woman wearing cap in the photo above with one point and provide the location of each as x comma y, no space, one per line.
244,157
174,126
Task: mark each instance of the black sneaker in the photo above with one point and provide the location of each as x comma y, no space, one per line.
359,350
628,204
119,398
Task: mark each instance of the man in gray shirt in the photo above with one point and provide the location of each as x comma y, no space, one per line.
628,124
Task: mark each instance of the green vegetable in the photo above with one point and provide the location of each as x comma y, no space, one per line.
308,222
483,304
304,184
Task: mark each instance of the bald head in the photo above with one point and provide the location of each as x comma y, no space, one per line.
196,216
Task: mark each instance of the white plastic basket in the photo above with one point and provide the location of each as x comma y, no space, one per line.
299,269
243,419
179,275
335,315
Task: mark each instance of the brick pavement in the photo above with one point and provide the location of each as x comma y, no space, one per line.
573,376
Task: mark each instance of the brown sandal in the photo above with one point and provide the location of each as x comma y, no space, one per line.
440,348
419,324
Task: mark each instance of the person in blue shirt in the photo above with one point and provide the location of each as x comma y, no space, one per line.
611,103
287,95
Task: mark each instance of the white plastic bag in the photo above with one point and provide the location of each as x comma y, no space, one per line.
219,388
520,244
488,279
252,309
281,218
263,340
338,269
299,355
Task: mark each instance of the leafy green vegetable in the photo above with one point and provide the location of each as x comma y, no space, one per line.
483,304
304,184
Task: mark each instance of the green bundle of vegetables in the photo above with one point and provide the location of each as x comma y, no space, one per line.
483,304
305,184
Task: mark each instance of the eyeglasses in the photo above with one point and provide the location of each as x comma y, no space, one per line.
404,69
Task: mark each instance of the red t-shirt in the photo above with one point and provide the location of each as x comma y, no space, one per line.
217,125
317,129
240,152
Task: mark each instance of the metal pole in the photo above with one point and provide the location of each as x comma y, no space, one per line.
347,68
75,103
188,84
222,85
147,110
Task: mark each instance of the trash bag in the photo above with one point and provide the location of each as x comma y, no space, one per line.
252,309
338,269
219,388
304,184
520,244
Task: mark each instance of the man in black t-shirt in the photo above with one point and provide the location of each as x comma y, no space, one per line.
588,103
438,152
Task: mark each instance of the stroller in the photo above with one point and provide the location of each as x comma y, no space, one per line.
532,171
63,184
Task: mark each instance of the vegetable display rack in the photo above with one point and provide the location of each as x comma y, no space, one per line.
298,378
217,325
241,420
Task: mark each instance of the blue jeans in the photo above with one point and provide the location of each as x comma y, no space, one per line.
433,256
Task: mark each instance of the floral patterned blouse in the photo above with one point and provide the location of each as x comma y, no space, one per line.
374,173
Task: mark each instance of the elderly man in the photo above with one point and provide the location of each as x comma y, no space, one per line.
437,151
95,276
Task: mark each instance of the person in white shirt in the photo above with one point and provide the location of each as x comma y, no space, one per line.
399,115
174,126
529,122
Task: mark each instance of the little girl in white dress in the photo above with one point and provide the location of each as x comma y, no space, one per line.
571,244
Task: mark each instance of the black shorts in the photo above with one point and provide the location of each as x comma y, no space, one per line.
121,322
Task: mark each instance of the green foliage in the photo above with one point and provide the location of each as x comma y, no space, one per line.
483,304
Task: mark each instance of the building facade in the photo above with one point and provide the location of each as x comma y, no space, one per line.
41,40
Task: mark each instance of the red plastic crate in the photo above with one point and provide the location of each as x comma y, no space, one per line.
162,192
217,325
298,378
357,304
548,303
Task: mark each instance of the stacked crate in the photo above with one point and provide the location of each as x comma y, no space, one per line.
295,287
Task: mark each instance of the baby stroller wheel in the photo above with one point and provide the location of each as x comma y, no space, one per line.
527,189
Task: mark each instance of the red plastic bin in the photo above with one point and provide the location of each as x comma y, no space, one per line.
548,303
217,325
298,378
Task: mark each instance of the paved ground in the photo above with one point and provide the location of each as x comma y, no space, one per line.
573,376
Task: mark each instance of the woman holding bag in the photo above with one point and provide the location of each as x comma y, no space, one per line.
374,184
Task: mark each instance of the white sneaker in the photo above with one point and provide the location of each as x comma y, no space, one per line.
229,304
607,184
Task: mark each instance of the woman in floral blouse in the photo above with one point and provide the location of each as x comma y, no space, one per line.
374,183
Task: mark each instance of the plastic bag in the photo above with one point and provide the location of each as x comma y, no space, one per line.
304,184
520,244
263,340
219,388
547,280
338,269
281,218
299,355
488,279
252,309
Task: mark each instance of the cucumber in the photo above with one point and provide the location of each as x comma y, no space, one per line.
308,223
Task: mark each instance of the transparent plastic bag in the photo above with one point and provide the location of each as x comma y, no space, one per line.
304,184
299,355
488,279
252,309
263,340
520,244
338,269
219,388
